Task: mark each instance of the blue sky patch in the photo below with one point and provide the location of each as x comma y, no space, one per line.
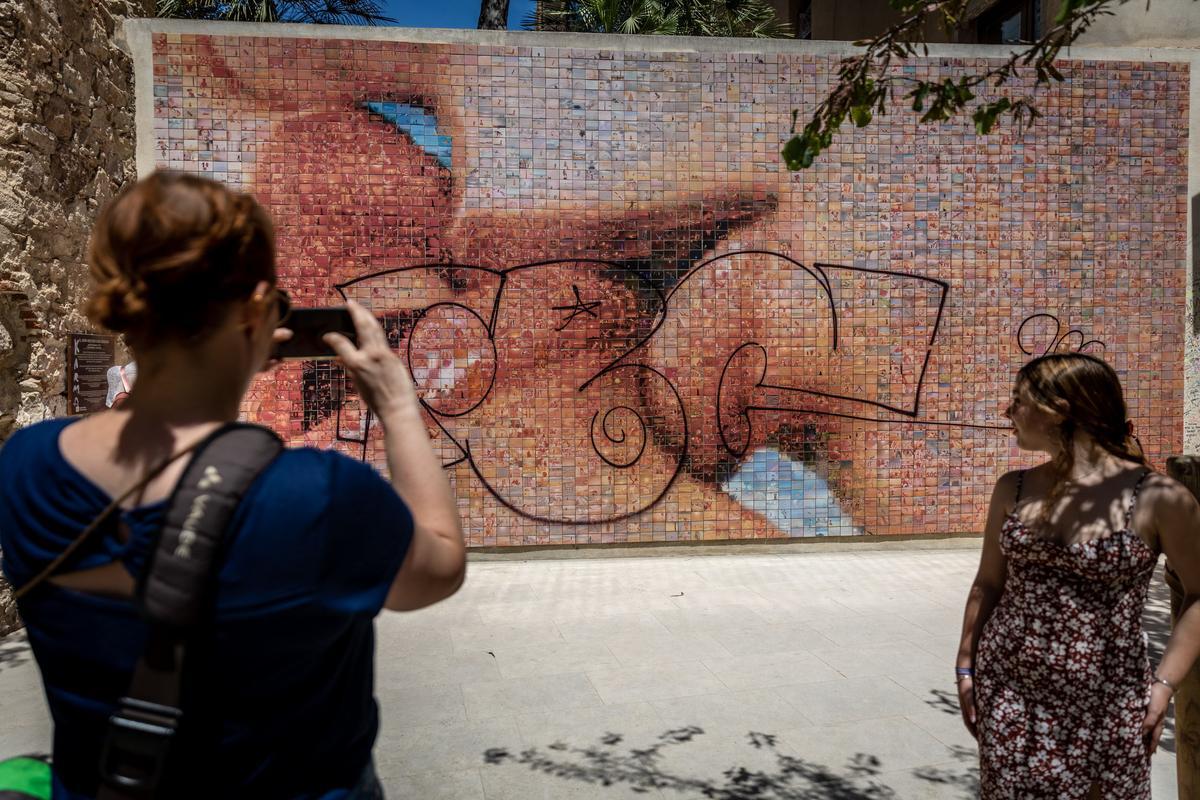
419,124
790,494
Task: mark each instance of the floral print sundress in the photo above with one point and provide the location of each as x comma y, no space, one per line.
1062,675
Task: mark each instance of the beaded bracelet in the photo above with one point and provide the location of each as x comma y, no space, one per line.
963,672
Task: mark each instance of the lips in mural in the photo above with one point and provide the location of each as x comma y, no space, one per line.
605,389
584,423
578,389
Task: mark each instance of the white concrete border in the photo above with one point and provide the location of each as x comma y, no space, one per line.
801,545
138,34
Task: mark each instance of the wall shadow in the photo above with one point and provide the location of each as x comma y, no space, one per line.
14,651
1196,265
777,775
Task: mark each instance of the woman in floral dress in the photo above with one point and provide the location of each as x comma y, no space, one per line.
1053,674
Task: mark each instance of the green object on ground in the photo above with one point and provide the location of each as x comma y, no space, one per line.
25,777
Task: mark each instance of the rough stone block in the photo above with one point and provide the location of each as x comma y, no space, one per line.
57,116
39,136
78,86
9,621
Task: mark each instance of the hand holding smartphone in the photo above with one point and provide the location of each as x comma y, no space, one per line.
308,327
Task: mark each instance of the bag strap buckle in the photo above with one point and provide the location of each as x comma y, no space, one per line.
135,751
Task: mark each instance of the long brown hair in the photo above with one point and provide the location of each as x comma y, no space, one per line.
1086,392
171,252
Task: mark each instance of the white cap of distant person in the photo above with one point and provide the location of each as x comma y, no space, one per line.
120,382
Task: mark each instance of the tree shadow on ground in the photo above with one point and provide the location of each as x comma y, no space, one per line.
967,781
14,651
790,778
944,701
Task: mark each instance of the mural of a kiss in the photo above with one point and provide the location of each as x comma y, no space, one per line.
488,331
629,322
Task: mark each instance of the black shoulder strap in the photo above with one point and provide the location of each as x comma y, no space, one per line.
1137,487
175,592
173,587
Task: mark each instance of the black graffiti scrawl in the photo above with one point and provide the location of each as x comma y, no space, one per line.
864,370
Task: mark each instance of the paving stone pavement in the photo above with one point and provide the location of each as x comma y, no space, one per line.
783,676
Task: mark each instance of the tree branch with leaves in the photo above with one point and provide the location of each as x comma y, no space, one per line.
752,18
868,82
327,12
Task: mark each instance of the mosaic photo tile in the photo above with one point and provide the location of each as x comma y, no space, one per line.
628,322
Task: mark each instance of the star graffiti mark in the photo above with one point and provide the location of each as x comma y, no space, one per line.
576,308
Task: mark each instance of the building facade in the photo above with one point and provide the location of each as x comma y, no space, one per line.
1166,23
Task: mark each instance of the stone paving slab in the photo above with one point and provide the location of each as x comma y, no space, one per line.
795,675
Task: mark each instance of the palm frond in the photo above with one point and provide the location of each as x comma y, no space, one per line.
329,12
659,17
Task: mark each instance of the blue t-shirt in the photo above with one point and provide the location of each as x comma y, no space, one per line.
278,692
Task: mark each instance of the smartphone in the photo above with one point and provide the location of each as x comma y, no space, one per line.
308,325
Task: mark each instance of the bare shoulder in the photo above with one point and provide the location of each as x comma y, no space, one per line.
1161,492
1028,479
1009,480
85,435
1005,491
1169,514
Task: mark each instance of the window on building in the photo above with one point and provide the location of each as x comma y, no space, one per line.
802,19
1010,22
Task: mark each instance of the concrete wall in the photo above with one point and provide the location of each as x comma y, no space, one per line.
1167,23
66,145
599,270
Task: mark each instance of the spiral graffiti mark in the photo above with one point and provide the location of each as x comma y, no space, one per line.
620,436
646,374
1054,342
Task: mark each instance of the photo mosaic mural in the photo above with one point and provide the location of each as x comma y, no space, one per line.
629,322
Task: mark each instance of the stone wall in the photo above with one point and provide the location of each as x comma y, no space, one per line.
66,146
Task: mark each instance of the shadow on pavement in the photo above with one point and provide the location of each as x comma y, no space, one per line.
791,778
967,781
14,651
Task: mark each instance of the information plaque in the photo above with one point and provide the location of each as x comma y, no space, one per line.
89,357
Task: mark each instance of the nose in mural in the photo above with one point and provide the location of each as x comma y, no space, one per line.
753,339
516,371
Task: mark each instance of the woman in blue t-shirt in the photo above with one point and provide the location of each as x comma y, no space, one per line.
278,690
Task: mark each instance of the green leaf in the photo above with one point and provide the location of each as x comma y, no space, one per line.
861,116
793,154
918,95
984,120
985,116
1068,9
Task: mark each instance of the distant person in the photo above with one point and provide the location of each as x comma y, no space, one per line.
1053,674
278,694
120,384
